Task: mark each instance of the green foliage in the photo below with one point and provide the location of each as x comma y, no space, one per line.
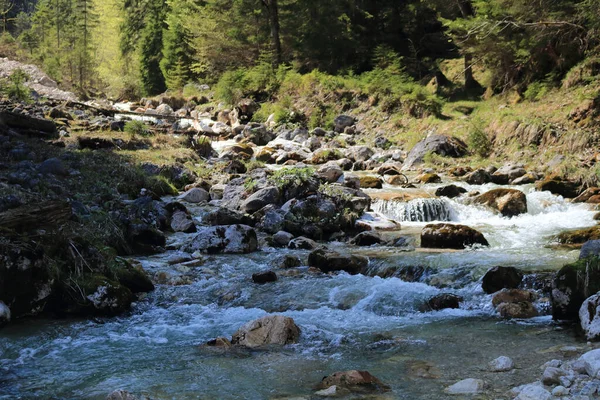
291,176
136,128
335,191
15,88
251,165
478,140
536,91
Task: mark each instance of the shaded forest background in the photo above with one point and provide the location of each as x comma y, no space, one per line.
132,48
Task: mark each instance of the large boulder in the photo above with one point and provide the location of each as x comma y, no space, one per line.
269,330
579,236
4,314
341,122
568,189
93,294
360,153
195,195
508,173
443,301
260,199
370,182
331,261
450,191
591,248
439,144
225,239
498,278
449,236
573,284
467,386
257,134
590,195
509,202
353,381
225,216
589,317
478,177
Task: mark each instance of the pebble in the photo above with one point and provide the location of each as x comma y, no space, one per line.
501,364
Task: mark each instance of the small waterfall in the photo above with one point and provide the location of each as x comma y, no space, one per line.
418,210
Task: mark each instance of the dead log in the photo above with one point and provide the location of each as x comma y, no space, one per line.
29,125
29,217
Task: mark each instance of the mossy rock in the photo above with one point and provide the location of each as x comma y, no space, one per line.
429,178
161,186
370,182
321,156
132,277
580,236
266,155
572,285
93,294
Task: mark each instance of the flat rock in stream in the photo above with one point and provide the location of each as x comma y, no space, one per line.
450,236
331,261
225,239
268,330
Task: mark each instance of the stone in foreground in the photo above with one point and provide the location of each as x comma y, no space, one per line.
501,364
269,330
449,236
466,386
509,202
353,381
589,317
331,261
498,278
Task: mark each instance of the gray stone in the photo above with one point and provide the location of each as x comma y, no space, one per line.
121,395
589,317
439,144
164,109
501,364
534,391
330,172
195,195
552,376
53,166
181,222
4,314
342,122
592,362
260,199
225,239
216,191
282,238
590,248
466,386
302,243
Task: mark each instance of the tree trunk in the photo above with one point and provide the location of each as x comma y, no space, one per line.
466,9
25,218
273,11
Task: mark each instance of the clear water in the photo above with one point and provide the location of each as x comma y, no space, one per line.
347,322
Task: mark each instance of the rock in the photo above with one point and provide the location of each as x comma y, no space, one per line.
552,376
302,243
264,277
508,173
367,238
240,151
288,261
321,156
269,330
478,177
195,195
429,178
370,182
442,145
353,381
121,395
145,238
591,248
566,189
282,238
260,199
53,166
588,194
94,294
390,169
449,236
589,317
572,285
360,153
533,392
257,134
522,310
330,172
510,202
181,222
132,277
513,296
450,191
579,236
501,364
443,301
466,386
525,179
498,278
342,122
331,391
164,109
591,361
4,314
225,239
219,342
560,391
225,216
330,261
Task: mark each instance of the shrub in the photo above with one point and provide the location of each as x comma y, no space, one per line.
136,128
478,140
16,88
536,91
288,176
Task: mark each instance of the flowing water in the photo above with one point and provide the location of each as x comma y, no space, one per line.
362,322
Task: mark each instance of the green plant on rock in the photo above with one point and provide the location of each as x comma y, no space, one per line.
291,176
335,191
136,128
